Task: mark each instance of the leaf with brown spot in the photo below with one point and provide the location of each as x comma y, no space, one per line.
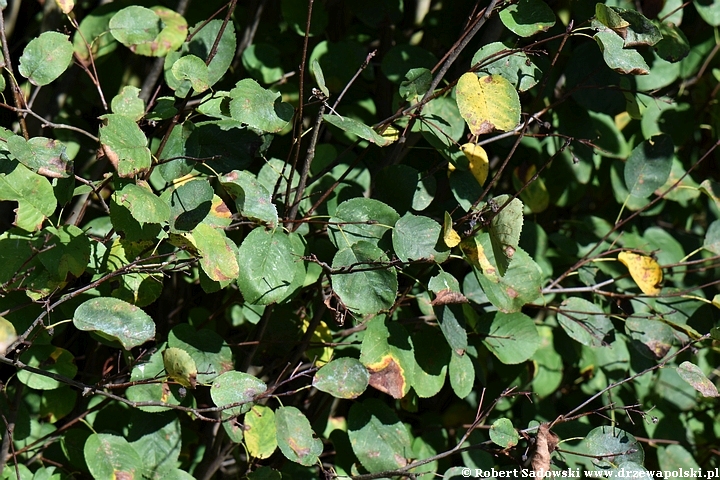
388,377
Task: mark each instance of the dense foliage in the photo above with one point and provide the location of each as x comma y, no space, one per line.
290,239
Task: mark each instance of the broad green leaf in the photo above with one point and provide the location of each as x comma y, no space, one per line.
609,446
620,59
236,388
93,37
712,238
295,436
634,28
403,57
140,289
378,437
356,127
259,108
128,103
675,458
584,322
452,323
262,61
212,356
528,17
462,374
46,58
515,67
505,229
34,194
431,370
219,254
125,145
416,83
709,11
653,338
110,457
203,39
487,104
259,431
180,366
143,204
67,252
692,374
503,433
47,358
388,353
163,109
417,238
369,287
674,45
58,403
610,17
404,188
512,337
252,199
158,437
190,203
171,37
135,25
360,219
443,281
649,165
115,320
41,155
342,378
194,70
270,266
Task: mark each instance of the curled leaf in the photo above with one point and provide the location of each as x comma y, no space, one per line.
644,270
450,236
479,164
180,366
545,443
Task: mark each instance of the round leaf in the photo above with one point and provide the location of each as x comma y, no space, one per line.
135,25
584,322
528,17
46,58
378,437
49,359
417,238
143,204
360,219
503,433
110,457
366,290
512,337
212,357
609,446
259,108
180,366
616,56
644,270
115,320
41,155
342,378
488,103
193,69
259,431
295,436
649,165
236,387
125,145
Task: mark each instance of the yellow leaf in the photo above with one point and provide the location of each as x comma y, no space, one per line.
450,236
7,335
479,165
644,270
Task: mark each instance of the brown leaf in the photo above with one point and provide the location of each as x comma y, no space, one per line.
446,297
545,443
387,376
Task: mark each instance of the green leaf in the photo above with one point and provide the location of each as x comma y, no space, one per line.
416,84
627,61
528,17
262,109
692,374
674,45
110,456
452,323
252,199
378,437
263,62
34,194
342,378
584,322
488,103
503,433
180,366
259,431
416,238
46,58
47,358
712,238
709,11
403,57
431,370
125,145
67,252
368,289
158,437
295,436
675,458
634,28
270,266
212,357
505,229
129,103
171,37
135,25
653,338
512,337
143,204
515,67
360,219
236,387
649,165
462,374
115,320
92,37
356,127
190,204
153,369
711,188
609,446
317,72
41,155
193,69
219,254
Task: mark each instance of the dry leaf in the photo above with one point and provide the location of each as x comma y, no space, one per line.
447,296
545,443
644,270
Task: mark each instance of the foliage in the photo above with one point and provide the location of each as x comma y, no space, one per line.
370,240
